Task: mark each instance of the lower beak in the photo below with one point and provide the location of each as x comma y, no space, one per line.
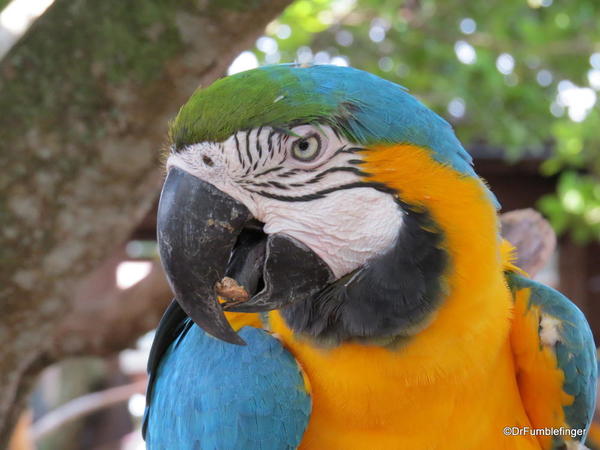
197,227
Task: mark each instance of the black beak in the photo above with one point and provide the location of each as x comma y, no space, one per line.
198,226
204,235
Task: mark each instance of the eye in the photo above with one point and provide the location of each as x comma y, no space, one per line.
307,148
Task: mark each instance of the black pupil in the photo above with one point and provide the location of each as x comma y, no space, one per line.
303,145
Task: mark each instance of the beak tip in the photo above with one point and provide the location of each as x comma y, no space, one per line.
211,320
241,343
233,338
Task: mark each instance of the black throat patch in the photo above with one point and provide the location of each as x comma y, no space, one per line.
389,299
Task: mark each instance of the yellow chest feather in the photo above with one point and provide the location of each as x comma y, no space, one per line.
453,385
374,398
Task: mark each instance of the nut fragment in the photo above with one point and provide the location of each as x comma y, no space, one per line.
229,289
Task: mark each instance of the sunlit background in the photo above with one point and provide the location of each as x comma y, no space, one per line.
518,79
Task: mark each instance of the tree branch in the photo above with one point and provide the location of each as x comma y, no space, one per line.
84,405
532,236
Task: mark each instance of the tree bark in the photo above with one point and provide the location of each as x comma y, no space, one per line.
103,318
85,98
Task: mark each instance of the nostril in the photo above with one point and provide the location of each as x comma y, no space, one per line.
208,161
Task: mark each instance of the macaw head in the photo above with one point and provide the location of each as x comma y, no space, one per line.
328,193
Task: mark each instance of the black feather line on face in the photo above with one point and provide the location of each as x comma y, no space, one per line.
258,145
237,148
345,149
323,174
322,193
248,153
288,174
270,142
391,297
265,172
277,185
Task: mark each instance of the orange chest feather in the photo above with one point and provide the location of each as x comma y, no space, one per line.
453,384
370,397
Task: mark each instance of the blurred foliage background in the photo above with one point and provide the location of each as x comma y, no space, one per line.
519,75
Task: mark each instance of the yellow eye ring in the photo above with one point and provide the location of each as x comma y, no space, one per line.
307,148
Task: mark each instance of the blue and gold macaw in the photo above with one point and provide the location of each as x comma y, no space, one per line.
382,309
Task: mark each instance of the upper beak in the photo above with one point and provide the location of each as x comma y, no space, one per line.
200,241
197,227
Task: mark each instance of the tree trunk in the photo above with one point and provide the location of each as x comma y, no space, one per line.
85,98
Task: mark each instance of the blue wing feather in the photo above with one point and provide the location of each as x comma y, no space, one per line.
208,394
575,350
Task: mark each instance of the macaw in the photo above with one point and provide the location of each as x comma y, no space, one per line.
383,310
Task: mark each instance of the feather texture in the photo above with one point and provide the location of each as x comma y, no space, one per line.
554,356
367,109
209,394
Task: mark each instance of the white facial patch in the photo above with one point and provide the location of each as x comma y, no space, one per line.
345,229
320,200
211,162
